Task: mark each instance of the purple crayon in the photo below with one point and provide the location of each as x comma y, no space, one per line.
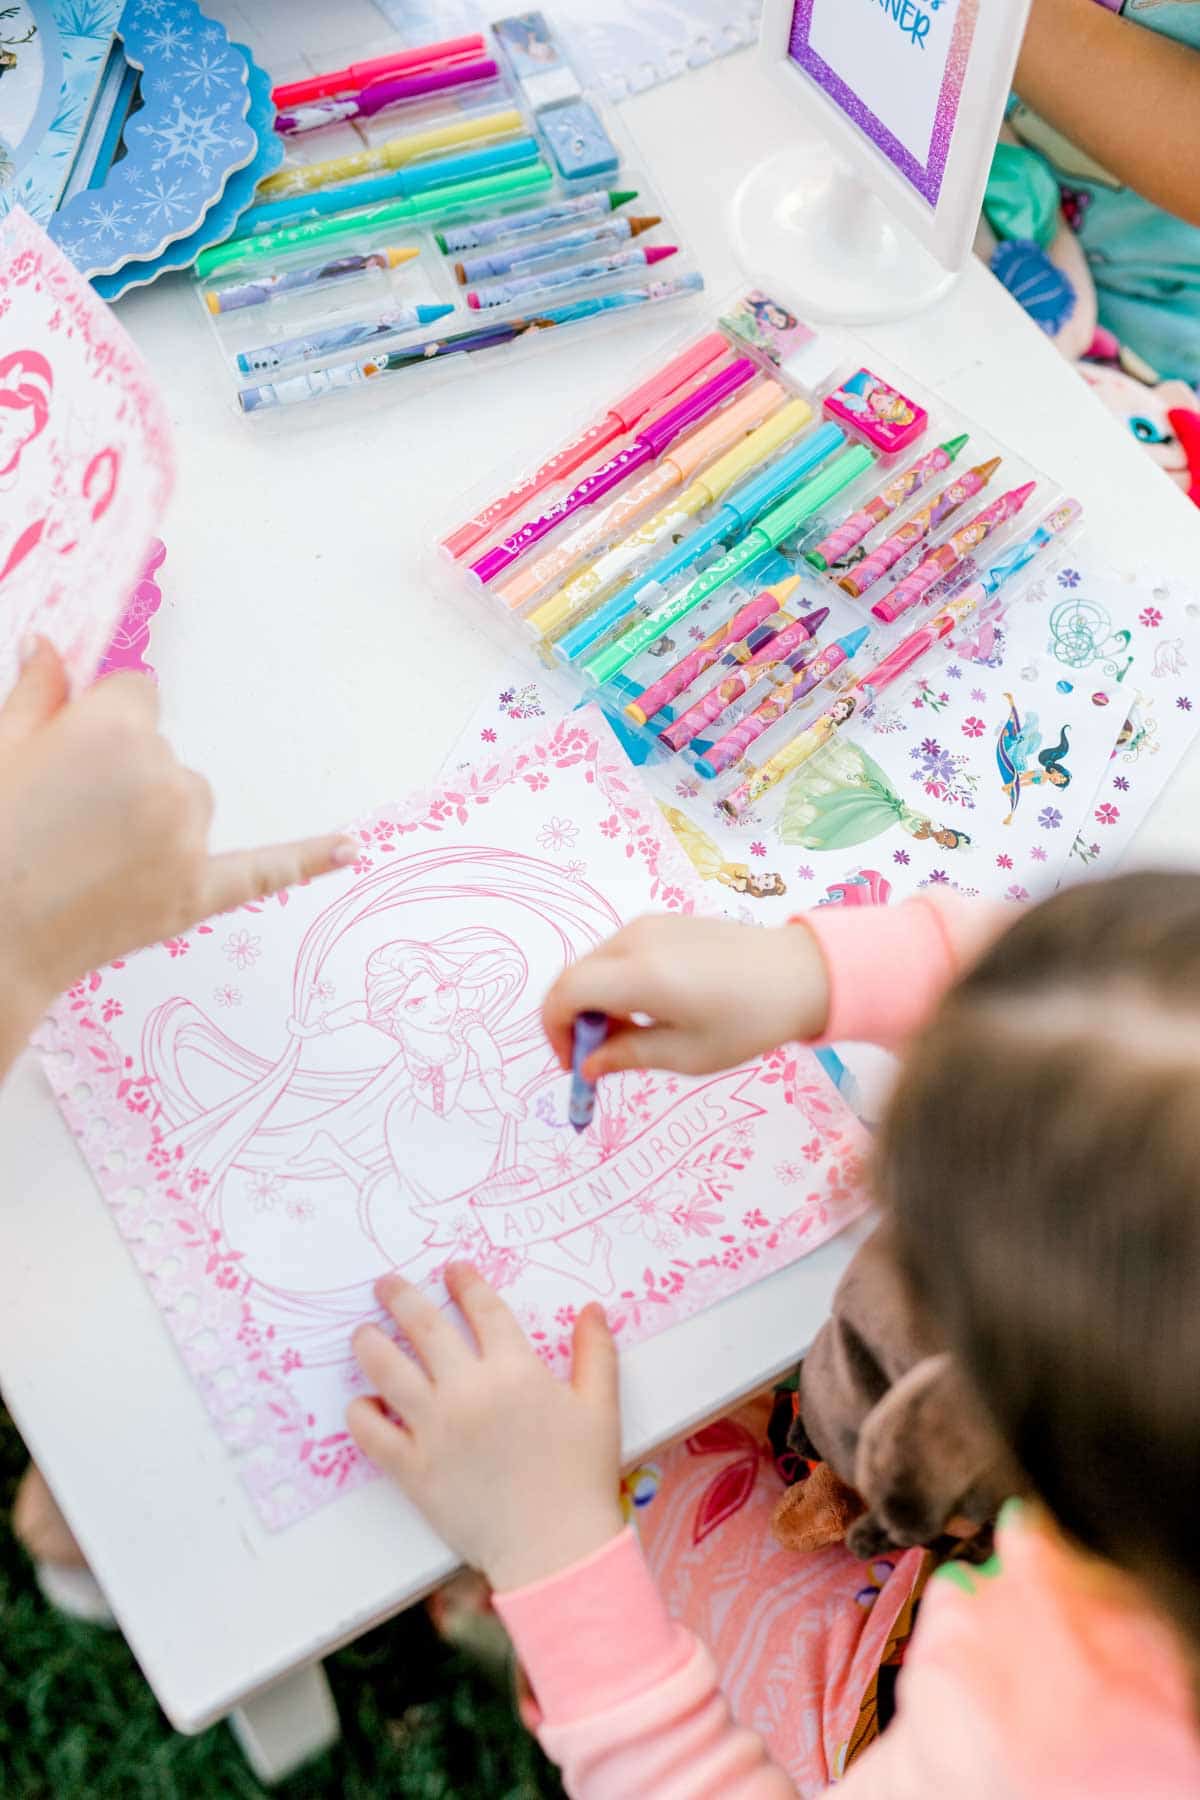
788,646
649,444
733,746
738,631
591,1029
900,488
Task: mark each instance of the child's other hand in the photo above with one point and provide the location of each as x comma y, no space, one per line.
103,836
517,1470
715,993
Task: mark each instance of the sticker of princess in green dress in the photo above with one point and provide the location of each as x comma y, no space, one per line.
843,798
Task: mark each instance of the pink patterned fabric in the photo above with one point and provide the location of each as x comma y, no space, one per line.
797,1640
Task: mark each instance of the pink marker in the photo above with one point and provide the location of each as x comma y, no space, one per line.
689,668
947,556
621,417
786,646
647,446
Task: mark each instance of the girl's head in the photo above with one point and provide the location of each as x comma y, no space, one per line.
1041,1158
413,987
26,383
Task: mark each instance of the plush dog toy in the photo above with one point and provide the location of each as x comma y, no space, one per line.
900,1452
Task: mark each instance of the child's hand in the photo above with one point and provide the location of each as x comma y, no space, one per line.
715,994
517,1470
103,837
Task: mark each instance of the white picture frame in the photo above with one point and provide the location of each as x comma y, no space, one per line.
939,201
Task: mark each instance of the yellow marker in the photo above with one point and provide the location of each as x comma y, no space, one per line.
393,154
570,600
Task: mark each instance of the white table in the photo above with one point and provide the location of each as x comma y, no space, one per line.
297,610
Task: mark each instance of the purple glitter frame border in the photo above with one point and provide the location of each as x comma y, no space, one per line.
926,178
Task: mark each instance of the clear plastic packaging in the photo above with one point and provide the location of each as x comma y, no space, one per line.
466,221
724,558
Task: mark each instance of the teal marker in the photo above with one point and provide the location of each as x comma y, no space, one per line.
439,203
780,523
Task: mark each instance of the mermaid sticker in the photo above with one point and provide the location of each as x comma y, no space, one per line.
1018,744
843,797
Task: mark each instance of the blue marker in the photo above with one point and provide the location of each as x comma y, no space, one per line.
591,1029
400,184
337,337
726,524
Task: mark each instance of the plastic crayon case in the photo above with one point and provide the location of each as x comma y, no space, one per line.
681,556
405,237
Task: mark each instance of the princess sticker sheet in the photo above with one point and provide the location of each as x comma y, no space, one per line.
291,1100
977,773
1161,707
85,459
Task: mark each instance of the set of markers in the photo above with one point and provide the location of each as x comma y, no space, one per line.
435,204
745,550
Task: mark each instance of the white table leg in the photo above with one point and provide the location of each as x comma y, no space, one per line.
287,1723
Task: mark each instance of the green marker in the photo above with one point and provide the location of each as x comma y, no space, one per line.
768,534
437,203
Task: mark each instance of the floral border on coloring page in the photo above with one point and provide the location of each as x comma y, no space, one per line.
695,1252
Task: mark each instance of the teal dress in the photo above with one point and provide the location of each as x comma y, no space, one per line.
1144,261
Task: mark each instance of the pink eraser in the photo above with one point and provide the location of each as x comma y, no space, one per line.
877,412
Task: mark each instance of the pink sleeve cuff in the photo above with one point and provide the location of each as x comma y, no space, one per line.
889,966
595,1634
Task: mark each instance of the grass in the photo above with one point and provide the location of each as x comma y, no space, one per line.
77,1722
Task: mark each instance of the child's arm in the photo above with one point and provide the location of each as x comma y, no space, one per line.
103,839
1128,97
717,994
518,1472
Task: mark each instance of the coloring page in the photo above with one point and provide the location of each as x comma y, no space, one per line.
291,1100
1162,716
85,461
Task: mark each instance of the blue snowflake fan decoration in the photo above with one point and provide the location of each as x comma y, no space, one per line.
190,135
221,220
1032,279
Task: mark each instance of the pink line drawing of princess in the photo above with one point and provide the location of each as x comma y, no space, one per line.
26,393
434,1126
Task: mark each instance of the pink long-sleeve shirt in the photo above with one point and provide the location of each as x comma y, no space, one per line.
1024,1682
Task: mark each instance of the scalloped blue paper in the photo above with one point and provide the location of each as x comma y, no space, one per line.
190,136
220,222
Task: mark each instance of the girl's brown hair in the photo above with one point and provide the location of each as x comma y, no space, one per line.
1041,1159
